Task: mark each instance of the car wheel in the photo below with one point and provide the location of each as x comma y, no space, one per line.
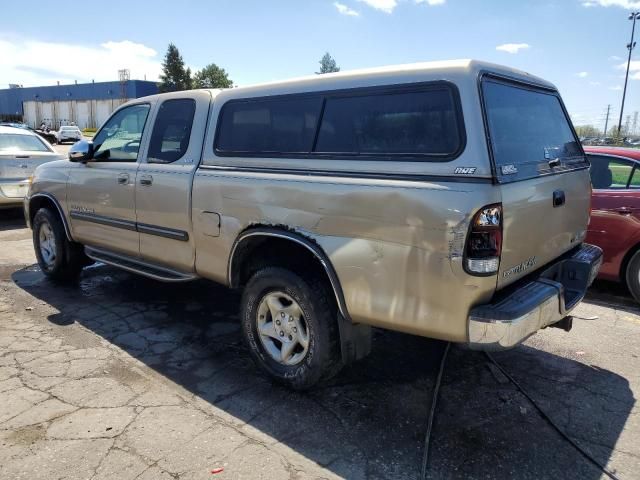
633,275
58,258
290,326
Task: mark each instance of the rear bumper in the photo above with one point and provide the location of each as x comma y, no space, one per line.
522,309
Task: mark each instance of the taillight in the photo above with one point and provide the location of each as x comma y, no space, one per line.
484,244
590,202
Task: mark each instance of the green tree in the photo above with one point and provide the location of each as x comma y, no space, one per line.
587,131
328,64
212,76
174,76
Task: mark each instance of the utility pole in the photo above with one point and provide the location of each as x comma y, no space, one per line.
606,122
627,123
630,46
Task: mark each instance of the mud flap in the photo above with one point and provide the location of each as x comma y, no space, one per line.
355,340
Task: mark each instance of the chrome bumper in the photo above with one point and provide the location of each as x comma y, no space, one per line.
523,309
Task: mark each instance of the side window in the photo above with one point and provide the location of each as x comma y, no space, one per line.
119,138
635,177
281,125
421,122
609,173
171,131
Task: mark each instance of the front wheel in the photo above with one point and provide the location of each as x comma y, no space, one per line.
633,275
58,258
290,326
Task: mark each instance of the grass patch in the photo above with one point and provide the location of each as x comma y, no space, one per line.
620,174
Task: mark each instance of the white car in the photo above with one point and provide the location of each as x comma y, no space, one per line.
68,132
21,151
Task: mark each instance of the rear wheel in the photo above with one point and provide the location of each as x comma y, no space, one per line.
633,275
58,258
290,326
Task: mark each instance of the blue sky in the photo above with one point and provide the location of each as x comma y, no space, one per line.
577,44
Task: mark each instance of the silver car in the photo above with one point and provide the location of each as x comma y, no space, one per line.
21,151
69,133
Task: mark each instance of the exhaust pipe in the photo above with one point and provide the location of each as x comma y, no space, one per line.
565,324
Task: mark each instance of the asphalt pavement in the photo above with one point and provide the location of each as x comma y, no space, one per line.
122,377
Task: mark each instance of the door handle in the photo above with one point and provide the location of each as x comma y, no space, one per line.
558,198
123,178
146,180
624,211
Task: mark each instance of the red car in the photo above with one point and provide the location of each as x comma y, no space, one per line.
615,213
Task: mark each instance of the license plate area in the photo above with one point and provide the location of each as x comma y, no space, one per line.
14,191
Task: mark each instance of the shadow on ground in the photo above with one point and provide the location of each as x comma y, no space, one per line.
12,219
368,422
613,295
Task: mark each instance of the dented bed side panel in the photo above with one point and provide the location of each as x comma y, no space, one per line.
395,245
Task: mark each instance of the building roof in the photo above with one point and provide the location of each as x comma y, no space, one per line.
11,99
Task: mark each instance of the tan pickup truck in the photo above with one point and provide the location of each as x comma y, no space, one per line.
448,200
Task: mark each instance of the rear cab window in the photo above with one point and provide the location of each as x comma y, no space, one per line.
527,128
172,131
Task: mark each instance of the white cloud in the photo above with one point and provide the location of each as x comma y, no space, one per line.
611,3
595,84
634,65
386,6
582,74
615,58
512,47
34,63
634,69
344,10
616,88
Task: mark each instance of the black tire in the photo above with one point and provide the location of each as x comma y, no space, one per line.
633,275
69,257
322,360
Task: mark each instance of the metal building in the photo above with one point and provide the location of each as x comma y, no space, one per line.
87,105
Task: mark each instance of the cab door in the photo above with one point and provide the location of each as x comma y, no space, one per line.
165,175
101,192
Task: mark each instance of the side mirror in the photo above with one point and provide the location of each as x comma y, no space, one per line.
81,151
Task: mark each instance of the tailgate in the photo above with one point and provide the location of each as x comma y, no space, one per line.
542,173
534,231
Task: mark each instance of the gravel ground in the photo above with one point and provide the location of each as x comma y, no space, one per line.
123,377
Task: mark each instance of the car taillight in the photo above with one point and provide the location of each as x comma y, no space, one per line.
484,244
590,202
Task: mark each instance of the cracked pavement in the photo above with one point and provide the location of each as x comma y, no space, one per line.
121,377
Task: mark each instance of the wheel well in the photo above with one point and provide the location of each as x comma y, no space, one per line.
42,201
625,262
256,249
284,249
260,251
